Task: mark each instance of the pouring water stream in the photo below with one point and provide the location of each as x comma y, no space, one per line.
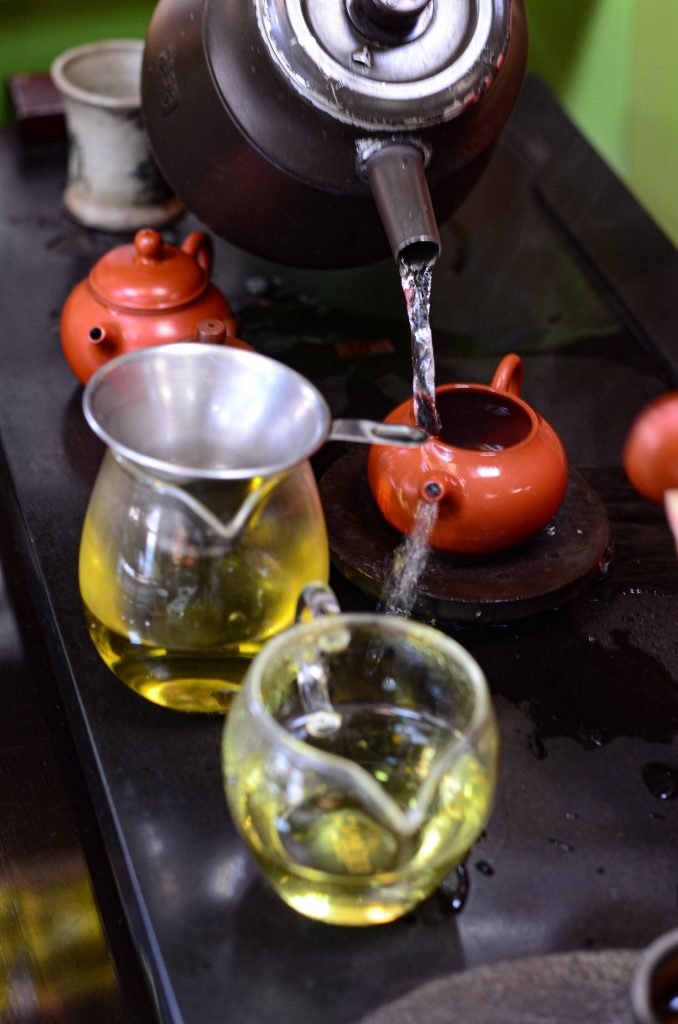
416,278
411,556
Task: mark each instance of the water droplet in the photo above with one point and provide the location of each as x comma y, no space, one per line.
566,847
456,888
484,868
536,746
661,779
448,900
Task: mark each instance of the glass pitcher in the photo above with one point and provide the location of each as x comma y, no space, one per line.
205,521
359,762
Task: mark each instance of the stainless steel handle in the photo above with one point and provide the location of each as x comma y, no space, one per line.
369,432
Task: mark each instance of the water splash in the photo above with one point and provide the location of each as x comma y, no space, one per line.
416,279
409,562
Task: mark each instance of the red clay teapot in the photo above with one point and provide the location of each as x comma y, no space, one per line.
498,471
650,455
142,294
651,449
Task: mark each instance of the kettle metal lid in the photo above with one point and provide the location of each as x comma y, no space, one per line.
150,274
387,64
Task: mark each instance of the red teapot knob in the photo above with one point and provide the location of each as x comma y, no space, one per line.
148,244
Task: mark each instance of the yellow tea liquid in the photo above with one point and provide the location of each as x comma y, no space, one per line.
335,860
181,627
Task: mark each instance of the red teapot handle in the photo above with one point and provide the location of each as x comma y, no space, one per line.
509,375
199,245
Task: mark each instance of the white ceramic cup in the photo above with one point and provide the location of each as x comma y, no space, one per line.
113,181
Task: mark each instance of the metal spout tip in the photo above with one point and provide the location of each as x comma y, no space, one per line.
396,173
419,253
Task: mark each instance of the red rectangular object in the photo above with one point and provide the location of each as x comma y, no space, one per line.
38,107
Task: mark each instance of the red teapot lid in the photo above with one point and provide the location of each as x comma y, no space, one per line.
150,274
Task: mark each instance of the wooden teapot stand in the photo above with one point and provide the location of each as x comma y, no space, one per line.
541,575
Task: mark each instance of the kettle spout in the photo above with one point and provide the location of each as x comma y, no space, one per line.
396,173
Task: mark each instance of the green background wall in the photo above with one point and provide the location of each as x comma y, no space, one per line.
612,65
610,62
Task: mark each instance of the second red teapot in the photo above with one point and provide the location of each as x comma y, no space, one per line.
142,294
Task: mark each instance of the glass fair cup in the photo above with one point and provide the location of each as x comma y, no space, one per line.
360,762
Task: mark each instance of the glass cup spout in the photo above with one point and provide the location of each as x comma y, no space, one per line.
233,503
318,601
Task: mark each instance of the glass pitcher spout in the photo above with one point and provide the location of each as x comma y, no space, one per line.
247,498
372,796
329,721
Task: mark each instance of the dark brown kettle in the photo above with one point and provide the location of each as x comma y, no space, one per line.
280,122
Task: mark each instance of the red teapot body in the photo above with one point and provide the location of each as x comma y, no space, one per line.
142,294
498,472
650,452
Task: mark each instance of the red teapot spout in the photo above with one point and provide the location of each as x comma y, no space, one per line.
105,335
